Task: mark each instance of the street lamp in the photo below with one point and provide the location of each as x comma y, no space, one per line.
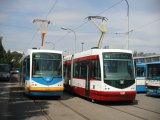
82,45
74,35
128,21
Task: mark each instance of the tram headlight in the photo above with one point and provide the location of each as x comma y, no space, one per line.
60,84
33,84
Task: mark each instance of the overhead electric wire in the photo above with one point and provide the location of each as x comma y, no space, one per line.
99,14
80,25
140,27
53,6
76,28
51,10
35,33
61,38
110,7
145,25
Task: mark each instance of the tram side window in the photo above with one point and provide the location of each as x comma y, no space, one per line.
28,68
67,71
80,69
83,69
140,72
154,71
64,69
76,69
95,70
24,70
21,71
155,59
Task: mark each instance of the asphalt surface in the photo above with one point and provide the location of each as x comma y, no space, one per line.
14,105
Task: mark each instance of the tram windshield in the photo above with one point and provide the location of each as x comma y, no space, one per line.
118,66
46,65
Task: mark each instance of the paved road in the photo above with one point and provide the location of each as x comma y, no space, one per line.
15,105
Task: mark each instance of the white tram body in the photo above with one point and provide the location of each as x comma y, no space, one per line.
41,72
101,74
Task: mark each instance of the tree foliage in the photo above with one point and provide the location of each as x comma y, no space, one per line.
2,52
12,58
142,54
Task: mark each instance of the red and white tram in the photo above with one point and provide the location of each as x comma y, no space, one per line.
101,74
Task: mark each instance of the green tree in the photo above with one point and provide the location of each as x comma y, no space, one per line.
142,54
2,52
15,59
135,54
9,57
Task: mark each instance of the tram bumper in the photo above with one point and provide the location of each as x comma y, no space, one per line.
44,91
113,95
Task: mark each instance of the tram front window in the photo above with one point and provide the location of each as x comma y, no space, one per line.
118,67
46,65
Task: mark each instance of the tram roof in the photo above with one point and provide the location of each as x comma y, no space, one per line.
29,51
96,52
42,50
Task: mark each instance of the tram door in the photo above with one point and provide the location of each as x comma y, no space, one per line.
87,82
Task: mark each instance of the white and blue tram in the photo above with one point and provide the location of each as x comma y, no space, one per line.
41,72
101,74
141,74
153,78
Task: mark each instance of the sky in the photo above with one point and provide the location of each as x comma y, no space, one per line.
20,33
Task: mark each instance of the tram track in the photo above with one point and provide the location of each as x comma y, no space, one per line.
133,114
127,113
69,107
42,110
78,113
117,109
44,113
38,103
28,98
132,110
146,109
